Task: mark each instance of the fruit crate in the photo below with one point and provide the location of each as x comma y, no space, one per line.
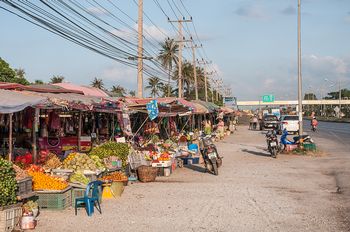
54,200
79,192
10,216
25,187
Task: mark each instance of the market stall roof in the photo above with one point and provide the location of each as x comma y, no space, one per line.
13,101
226,110
168,106
87,90
43,88
77,101
209,105
200,109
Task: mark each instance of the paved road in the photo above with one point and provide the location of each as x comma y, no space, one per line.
331,130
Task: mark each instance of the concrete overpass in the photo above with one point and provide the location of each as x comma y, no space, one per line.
293,102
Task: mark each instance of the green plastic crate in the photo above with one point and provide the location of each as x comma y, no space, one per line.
309,146
55,200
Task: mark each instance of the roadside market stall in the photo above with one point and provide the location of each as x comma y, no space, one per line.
17,115
72,122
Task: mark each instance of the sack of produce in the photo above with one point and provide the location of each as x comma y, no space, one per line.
8,183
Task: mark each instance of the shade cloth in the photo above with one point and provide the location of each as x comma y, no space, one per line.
13,101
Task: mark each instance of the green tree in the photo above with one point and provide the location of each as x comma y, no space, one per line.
167,56
7,74
155,85
97,83
118,91
56,79
310,96
345,93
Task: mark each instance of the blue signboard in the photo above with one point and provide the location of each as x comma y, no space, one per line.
152,108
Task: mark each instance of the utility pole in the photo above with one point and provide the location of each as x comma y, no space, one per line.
194,46
181,41
140,51
339,100
205,77
300,105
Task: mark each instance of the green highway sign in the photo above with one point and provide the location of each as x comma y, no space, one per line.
268,98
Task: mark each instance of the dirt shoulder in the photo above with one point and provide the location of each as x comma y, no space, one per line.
253,192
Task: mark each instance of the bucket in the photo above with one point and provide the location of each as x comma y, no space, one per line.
167,171
117,188
28,222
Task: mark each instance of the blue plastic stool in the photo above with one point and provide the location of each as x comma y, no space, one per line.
90,199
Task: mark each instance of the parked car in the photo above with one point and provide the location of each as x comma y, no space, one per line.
290,123
270,122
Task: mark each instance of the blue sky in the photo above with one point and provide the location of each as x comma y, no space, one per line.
252,44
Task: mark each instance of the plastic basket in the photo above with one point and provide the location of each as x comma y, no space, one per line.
55,200
134,159
25,187
10,216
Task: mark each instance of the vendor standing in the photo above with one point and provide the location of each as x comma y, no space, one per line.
221,128
207,127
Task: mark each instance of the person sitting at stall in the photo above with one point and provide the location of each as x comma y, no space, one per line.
207,127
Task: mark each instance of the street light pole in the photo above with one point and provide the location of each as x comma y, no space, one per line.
299,77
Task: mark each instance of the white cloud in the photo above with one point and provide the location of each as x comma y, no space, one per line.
251,11
119,74
290,10
326,65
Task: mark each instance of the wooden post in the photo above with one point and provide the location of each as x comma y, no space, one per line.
34,131
10,136
79,131
113,127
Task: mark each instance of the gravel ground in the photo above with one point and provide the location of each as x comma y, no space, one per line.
253,192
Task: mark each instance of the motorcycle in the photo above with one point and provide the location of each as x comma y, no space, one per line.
314,124
210,155
272,143
296,139
313,128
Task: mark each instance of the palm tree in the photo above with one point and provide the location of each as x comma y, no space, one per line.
38,82
165,90
168,55
155,85
187,77
56,79
97,83
132,93
118,91
20,73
